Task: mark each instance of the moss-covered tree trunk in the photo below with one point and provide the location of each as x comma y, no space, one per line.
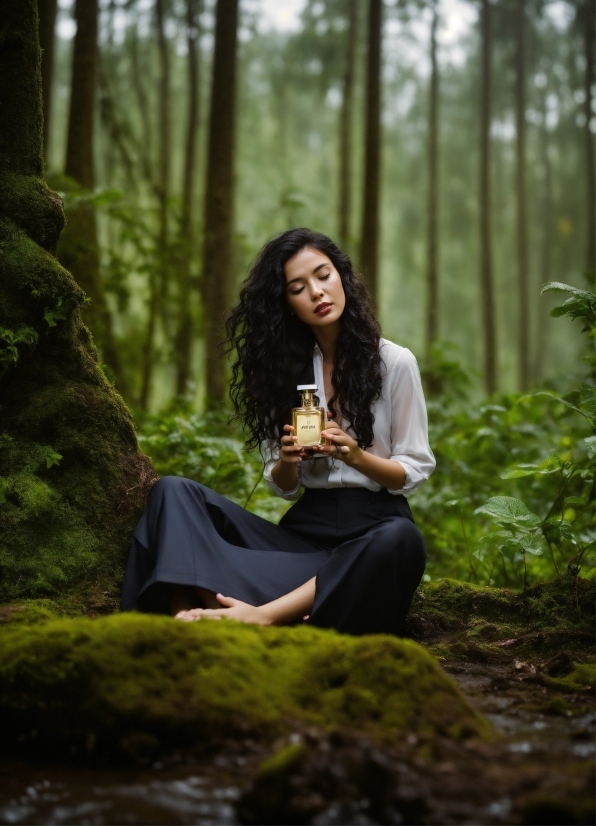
79,250
72,480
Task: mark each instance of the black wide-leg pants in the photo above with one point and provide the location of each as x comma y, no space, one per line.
363,547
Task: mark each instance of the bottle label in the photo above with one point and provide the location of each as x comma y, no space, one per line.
308,429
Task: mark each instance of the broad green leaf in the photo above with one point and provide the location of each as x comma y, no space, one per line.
507,507
558,286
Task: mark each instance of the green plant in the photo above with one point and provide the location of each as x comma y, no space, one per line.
568,524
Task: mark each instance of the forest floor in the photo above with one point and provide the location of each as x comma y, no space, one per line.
525,661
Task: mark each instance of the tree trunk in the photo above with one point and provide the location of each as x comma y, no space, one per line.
523,341
73,480
158,277
47,20
369,243
79,249
184,336
486,264
546,252
432,294
219,196
589,37
345,130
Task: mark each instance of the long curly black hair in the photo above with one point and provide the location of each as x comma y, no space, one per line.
273,348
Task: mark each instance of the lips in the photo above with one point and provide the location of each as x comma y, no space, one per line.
322,308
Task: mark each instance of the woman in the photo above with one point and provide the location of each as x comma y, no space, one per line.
347,555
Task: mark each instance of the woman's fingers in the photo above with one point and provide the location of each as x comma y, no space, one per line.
229,602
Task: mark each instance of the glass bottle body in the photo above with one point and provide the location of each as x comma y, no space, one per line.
308,423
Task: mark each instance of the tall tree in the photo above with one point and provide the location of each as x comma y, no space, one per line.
369,242
219,194
72,473
184,333
47,21
79,250
345,128
523,275
547,241
158,280
486,262
588,15
432,278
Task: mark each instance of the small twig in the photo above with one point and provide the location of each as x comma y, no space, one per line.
254,488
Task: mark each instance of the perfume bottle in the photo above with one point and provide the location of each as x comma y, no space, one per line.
309,419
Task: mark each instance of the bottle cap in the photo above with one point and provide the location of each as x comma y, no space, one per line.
307,387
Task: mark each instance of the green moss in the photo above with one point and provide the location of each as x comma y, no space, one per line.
582,676
283,761
134,679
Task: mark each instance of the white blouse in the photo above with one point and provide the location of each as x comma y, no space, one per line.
400,431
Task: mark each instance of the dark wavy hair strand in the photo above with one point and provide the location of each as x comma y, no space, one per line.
273,348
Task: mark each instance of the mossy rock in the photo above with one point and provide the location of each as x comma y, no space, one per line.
543,617
132,684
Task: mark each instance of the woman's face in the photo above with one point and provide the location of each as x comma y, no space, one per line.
314,291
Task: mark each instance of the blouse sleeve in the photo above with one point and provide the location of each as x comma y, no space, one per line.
270,453
409,423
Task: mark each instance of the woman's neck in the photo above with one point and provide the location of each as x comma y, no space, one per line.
326,339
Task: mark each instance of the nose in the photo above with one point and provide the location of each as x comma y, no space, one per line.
317,290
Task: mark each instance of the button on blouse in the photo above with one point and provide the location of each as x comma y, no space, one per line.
400,431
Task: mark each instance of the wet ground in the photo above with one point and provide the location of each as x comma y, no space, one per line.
540,770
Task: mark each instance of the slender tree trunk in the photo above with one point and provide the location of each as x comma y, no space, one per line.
79,249
432,294
69,532
158,278
184,334
589,37
546,252
369,243
219,195
523,340
47,20
486,264
345,130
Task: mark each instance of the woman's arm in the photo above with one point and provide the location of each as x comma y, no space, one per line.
385,472
291,607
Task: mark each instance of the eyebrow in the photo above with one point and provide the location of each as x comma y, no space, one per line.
316,269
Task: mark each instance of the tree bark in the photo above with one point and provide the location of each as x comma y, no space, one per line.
432,294
219,196
74,481
523,340
546,251
184,336
486,264
79,249
345,130
158,278
369,243
47,20
589,37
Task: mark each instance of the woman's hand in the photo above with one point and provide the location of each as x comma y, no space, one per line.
290,452
232,609
342,446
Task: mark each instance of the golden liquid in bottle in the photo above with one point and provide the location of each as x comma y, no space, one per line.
308,423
